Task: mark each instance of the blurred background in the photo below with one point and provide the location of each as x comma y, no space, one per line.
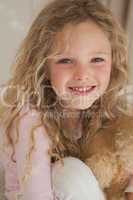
17,16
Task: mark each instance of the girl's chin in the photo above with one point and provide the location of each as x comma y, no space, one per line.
80,107
76,106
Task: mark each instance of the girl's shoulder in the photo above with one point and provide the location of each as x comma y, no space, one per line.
27,119
30,119
29,112
26,116
25,112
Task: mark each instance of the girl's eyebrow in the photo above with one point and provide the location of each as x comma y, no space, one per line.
93,53
102,52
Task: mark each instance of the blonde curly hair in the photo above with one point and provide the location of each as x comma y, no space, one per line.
29,74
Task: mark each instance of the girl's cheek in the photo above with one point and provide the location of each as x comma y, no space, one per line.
107,68
102,73
55,72
102,68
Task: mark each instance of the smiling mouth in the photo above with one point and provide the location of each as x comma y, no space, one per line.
82,90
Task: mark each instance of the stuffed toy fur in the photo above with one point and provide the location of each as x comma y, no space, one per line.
109,154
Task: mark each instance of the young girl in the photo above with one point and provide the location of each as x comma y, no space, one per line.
63,90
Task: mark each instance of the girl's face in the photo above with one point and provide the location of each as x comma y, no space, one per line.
80,71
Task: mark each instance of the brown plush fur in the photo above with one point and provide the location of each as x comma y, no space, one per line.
110,156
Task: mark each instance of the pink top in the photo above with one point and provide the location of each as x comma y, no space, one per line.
38,186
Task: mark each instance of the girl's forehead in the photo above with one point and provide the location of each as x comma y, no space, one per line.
79,36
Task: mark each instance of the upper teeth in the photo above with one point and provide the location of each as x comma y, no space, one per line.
82,89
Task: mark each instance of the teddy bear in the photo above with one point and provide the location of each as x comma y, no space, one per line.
109,154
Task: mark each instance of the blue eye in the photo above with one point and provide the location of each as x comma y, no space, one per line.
97,60
65,61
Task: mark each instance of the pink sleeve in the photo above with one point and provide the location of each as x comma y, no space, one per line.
38,185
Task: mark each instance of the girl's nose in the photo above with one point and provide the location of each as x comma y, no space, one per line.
83,73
